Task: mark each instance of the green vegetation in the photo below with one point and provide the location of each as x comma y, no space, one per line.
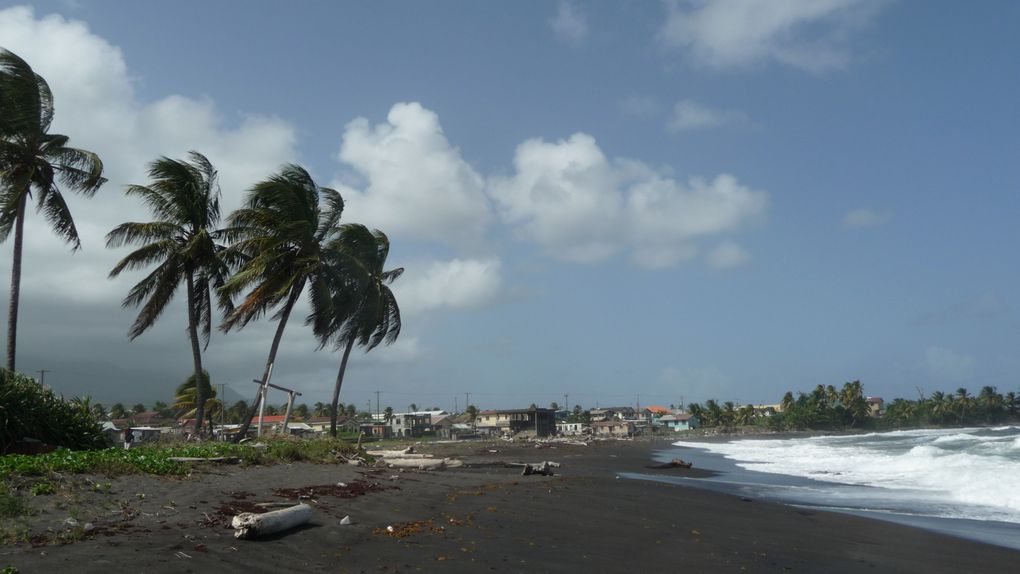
156,459
29,410
11,505
829,408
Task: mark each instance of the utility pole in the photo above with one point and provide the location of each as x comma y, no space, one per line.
467,400
223,403
455,406
566,402
42,376
377,405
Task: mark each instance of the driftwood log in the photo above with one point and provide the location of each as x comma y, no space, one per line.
248,525
423,463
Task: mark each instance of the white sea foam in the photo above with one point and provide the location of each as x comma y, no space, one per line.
970,473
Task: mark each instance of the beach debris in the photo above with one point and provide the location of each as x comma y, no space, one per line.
181,555
346,520
405,529
543,468
249,525
350,490
675,463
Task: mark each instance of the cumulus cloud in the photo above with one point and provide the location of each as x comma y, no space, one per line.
690,115
858,218
455,284
579,205
810,35
417,184
727,255
569,24
96,106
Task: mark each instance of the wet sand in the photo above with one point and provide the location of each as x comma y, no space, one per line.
483,517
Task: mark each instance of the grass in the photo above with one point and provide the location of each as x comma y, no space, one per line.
11,504
155,459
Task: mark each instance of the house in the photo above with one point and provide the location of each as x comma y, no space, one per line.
510,422
613,428
410,424
612,413
876,406
680,422
570,429
652,413
377,430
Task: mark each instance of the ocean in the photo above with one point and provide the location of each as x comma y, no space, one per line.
964,482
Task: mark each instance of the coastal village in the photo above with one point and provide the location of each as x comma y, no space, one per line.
439,424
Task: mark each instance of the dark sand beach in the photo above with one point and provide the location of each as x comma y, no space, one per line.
484,517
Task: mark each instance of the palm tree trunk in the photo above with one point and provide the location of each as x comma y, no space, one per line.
12,310
288,307
339,382
196,354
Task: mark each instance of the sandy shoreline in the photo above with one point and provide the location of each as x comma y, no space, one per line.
482,517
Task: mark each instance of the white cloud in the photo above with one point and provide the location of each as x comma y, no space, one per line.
811,35
858,218
948,366
567,197
455,284
96,107
690,115
569,24
418,185
727,255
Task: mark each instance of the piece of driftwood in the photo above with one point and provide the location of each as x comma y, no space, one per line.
248,525
423,463
219,459
389,454
543,468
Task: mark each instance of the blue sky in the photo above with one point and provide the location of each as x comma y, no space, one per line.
681,200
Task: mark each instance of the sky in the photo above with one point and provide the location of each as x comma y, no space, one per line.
606,203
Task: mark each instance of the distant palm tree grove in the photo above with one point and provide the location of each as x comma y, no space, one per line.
285,241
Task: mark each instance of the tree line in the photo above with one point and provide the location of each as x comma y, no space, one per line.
285,240
831,408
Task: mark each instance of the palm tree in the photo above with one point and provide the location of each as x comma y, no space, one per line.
364,310
117,411
388,414
31,162
472,413
320,409
185,200
279,235
187,393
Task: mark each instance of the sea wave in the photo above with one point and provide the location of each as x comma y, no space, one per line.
956,471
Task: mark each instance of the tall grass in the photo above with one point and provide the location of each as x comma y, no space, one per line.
27,410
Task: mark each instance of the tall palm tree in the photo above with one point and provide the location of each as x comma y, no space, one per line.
31,163
278,235
364,310
182,242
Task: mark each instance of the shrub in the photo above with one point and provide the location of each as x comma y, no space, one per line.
27,410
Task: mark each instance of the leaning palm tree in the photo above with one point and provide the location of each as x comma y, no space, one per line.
279,234
182,242
364,310
31,163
